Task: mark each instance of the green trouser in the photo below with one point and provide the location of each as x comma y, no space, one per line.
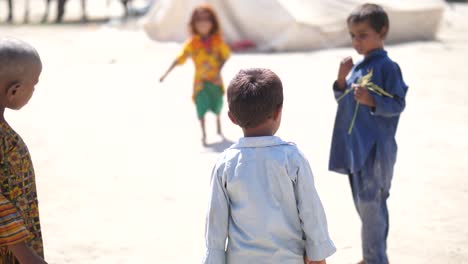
210,98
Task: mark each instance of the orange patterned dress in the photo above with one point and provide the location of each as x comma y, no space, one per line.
208,57
19,214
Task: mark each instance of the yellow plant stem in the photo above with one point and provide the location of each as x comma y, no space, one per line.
356,109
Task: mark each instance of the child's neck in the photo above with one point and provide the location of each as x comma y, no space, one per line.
2,114
253,134
372,51
263,130
205,37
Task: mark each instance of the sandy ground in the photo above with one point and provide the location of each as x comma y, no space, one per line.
123,178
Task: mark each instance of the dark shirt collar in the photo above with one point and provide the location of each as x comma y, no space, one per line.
375,54
378,53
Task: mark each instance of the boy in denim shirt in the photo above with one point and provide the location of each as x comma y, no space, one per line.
363,144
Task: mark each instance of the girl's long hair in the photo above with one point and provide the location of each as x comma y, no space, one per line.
204,8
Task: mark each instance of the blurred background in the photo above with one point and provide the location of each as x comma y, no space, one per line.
122,176
281,26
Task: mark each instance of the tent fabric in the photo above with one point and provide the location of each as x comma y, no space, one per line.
294,25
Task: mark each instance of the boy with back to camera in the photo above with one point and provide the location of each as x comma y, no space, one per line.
371,97
263,198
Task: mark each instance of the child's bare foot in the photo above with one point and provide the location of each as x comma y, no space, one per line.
204,140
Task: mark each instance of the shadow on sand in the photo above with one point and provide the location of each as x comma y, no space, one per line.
219,146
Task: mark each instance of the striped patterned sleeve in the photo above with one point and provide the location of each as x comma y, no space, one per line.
12,227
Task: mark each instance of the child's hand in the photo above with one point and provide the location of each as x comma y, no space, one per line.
25,254
362,95
318,262
345,67
308,261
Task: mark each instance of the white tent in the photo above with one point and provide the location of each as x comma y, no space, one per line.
291,25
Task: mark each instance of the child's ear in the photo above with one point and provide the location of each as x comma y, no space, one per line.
383,33
277,112
232,118
12,90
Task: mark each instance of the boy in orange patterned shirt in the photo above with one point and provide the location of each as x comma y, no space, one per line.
20,231
209,53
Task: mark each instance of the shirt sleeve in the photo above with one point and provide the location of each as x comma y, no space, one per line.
319,246
12,227
225,51
185,53
216,229
392,82
337,91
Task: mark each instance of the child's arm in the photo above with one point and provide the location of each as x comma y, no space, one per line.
392,83
173,65
13,233
25,254
346,66
314,223
339,86
216,229
221,65
181,58
225,53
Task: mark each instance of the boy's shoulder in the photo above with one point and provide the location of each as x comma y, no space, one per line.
7,134
386,62
381,65
390,69
9,140
296,154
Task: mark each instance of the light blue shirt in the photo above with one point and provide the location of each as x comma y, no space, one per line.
264,203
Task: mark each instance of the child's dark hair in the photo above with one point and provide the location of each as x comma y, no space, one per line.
204,8
374,14
253,96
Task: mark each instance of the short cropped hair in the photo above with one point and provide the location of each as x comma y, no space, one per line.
15,54
374,14
253,96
